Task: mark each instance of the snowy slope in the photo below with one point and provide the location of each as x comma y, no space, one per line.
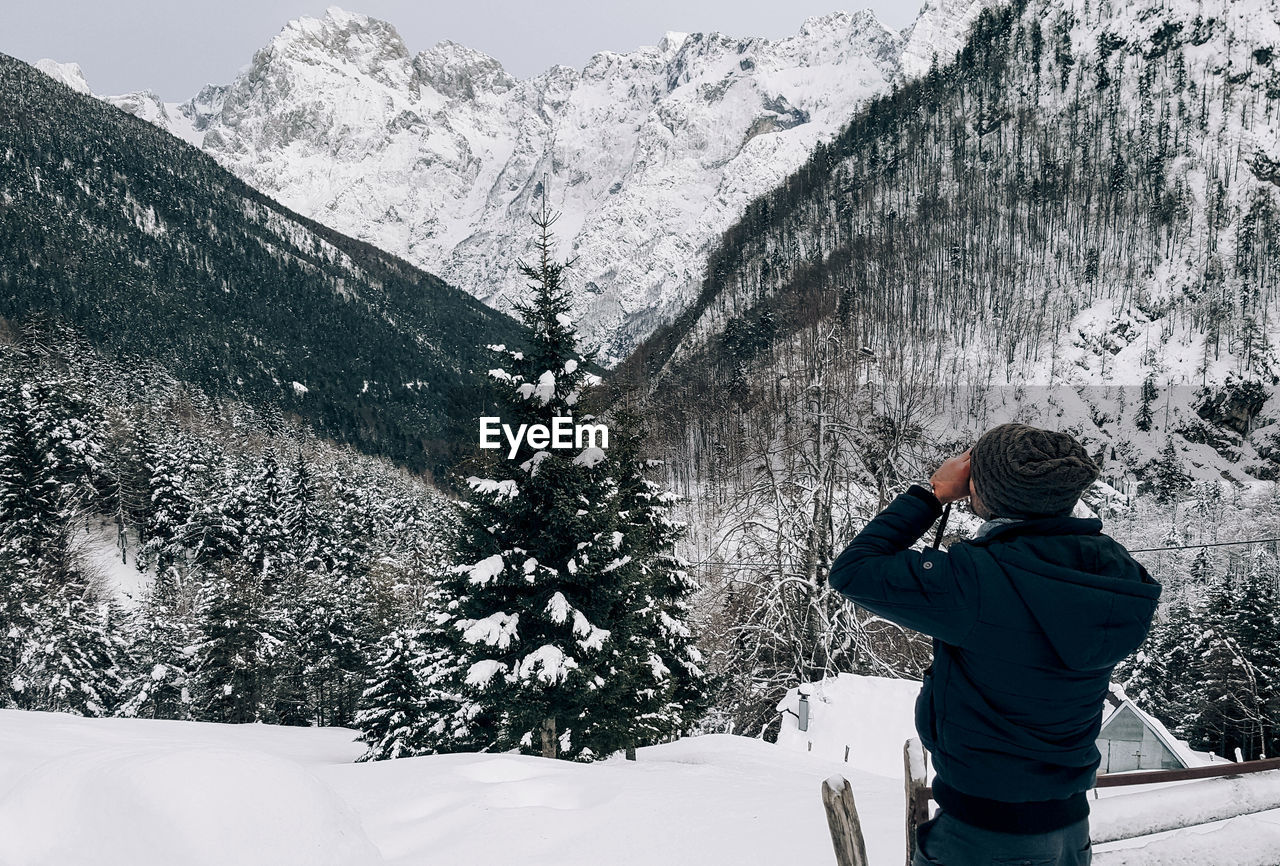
439,156
131,792
140,792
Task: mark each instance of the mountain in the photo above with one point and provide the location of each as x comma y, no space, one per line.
147,246
1074,224
650,155
940,30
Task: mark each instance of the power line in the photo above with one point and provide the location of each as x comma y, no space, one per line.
1209,544
1131,550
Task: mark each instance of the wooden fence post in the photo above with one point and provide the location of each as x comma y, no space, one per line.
842,818
917,800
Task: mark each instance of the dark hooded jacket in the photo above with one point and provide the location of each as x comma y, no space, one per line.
1028,622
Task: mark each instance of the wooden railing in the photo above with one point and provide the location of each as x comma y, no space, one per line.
1148,777
1230,797
1236,804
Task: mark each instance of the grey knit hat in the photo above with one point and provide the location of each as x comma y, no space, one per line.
1025,472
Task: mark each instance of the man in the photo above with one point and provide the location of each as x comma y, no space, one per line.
1028,618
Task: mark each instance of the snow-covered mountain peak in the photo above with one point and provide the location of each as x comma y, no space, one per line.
69,74
460,72
842,22
940,28
366,45
671,41
839,36
650,154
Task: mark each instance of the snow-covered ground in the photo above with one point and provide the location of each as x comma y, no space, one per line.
134,792
99,545
139,792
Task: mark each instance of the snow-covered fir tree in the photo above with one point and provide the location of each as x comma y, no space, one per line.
236,647
60,649
394,718
656,670
530,608
162,636
1167,479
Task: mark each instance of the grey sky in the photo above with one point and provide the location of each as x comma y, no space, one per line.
176,46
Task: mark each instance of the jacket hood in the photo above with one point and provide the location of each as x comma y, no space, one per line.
1093,600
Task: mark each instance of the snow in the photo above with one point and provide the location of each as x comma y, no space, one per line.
69,74
140,792
485,570
117,792
715,799
558,607
546,388
589,456
480,673
1251,840
497,629
100,548
548,663
591,636
939,28
1182,805
873,716
505,488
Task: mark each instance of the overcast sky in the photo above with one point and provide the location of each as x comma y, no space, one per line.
174,47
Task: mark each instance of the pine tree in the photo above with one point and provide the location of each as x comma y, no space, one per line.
1166,478
334,663
168,504
216,527
236,646
1233,701
159,682
304,524
1254,626
34,512
33,537
71,659
262,523
657,677
1147,399
59,647
528,607
393,718
1158,676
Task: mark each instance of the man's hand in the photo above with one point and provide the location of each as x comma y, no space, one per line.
951,481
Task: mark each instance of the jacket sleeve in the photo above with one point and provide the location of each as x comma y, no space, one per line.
929,591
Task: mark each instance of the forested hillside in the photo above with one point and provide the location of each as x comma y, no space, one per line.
1072,223
146,245
1086,195
168,554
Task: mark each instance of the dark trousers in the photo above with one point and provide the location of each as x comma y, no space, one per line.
947,841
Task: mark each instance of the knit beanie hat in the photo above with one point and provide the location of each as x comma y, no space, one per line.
1024,472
